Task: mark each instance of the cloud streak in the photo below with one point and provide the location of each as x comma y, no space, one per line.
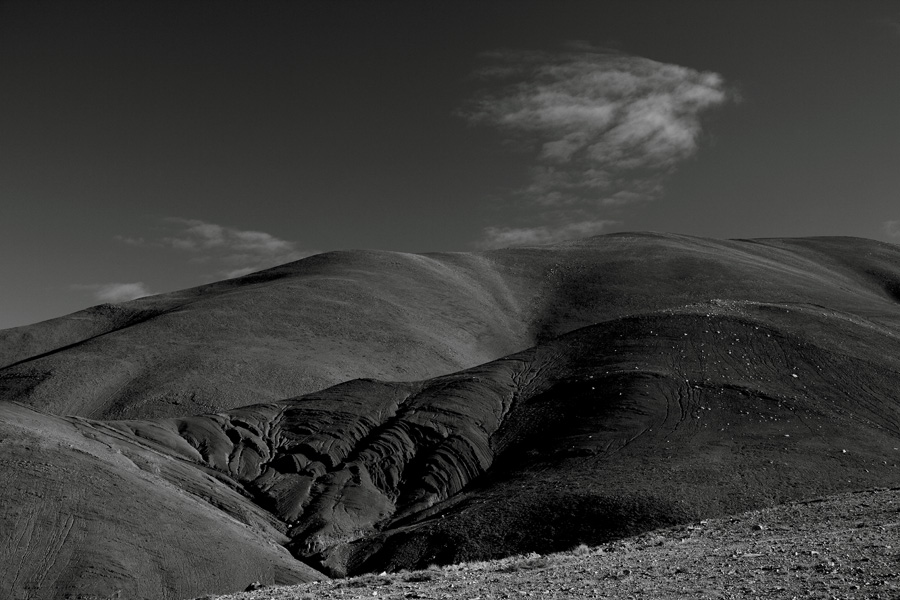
499,237
604,127
231,252
237,251
115,292
892,228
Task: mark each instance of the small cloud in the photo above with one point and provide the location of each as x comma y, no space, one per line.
240,272
892,228
500,237
232,252
131,241
115,292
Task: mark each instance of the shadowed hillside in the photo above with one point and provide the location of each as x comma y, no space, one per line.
642,421
667,379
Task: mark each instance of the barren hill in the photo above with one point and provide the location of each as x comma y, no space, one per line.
492,404
344,315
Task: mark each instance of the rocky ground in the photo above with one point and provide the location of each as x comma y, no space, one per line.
840,547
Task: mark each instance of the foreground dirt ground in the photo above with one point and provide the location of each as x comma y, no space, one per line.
841,547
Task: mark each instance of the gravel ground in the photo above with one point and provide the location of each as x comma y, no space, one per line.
840,547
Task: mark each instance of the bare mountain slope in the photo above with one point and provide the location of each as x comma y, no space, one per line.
267,336
668,379
89,513
610,430
345,315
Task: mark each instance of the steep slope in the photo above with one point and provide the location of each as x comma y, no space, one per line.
392,316
89,513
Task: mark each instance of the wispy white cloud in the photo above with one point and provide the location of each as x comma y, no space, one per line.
114,292
604,127
231,252
498,237
892,228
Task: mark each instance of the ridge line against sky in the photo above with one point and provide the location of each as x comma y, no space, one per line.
153,146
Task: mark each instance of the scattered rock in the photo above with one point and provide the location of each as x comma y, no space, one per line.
256,585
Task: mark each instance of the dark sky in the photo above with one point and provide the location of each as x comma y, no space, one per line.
151,146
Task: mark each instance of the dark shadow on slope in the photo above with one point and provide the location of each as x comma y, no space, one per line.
659,420
128,319
888,281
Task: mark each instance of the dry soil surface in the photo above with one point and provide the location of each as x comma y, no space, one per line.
844,547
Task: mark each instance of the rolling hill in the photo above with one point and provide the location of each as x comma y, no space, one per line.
368,411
